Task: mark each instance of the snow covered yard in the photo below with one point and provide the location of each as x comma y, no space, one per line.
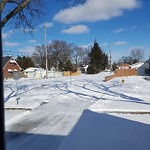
55,108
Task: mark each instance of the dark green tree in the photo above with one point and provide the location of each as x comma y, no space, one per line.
96,59
105,61
114,66
25,62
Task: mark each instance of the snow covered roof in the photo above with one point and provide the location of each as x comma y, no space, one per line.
147,61
7,59
31,69
12,61
124,65
85,67
10,70
137,65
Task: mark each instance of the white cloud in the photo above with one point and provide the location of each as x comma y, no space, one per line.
124,29
86,46
133,27
120,43
78,29
7,34
96,10
11,44
32,41
104,44
119,30
47,24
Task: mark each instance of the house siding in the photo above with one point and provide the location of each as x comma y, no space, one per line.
9,66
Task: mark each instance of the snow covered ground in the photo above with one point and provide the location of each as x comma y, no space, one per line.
48,110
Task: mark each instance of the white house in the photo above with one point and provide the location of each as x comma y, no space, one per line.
84,69
31,72
140,67
147,66
39,73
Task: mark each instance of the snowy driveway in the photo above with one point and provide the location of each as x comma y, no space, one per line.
55,105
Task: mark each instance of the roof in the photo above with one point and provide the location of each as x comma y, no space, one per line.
5,60
148,61
137,65
124,65
31,69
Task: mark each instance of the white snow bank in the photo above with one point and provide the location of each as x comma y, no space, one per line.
15,118
133,96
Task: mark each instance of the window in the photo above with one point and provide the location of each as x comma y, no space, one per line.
10,71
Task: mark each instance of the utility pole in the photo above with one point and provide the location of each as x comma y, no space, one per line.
46,51
110,56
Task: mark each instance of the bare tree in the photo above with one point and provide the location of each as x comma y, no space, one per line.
39,57
81,55
137,54
62,52
126,59
26,13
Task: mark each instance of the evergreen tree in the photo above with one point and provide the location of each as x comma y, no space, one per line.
114,66
105,61
25,62
96,59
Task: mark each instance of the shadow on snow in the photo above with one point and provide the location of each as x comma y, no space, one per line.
29,141
95,131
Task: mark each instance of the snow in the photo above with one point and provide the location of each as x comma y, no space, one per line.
133,96
137,65
102,131
78,112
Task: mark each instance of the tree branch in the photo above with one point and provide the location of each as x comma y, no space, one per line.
2,5
13,12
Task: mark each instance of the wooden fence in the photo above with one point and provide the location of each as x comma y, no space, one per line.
121,73
68,73
125,72
109,78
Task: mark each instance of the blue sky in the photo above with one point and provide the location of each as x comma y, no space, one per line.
123,24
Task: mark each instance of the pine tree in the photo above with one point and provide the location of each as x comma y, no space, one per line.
105,61
96,59
25,62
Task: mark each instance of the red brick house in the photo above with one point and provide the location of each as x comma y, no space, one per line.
10,66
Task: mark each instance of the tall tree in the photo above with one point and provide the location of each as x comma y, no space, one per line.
114,66
126,59
59,55
105,61
62,52
137,55
80,55
25,62
96,59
